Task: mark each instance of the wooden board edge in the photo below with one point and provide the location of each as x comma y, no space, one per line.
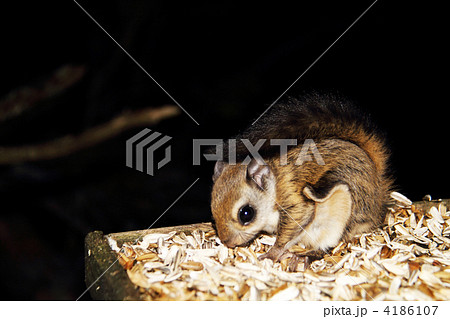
426,205
133,236
103,273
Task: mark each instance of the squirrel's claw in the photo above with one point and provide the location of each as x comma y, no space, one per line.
276,254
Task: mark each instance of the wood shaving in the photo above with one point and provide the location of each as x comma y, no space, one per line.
408,259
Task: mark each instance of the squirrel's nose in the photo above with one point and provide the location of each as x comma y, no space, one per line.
229,243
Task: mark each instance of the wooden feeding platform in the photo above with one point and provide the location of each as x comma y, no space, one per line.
115,283
407,259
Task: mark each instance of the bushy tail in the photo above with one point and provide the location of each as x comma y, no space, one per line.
317,117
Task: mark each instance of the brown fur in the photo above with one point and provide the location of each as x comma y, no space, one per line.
354,154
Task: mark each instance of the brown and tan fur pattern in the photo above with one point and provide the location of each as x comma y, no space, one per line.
311,204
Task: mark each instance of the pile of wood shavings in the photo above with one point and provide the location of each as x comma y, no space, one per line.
408,259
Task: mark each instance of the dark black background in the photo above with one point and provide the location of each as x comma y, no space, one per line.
224,62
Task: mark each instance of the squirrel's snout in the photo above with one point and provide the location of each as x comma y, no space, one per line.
229,243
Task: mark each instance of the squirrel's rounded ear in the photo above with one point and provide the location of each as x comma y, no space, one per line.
257,173
218,169
331,194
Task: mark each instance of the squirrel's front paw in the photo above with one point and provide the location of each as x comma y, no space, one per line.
276,254
307,257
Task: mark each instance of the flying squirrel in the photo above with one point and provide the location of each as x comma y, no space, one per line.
336,187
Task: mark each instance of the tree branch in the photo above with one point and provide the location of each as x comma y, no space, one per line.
70,144
25,98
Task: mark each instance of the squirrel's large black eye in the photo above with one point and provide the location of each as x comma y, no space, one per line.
246,214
